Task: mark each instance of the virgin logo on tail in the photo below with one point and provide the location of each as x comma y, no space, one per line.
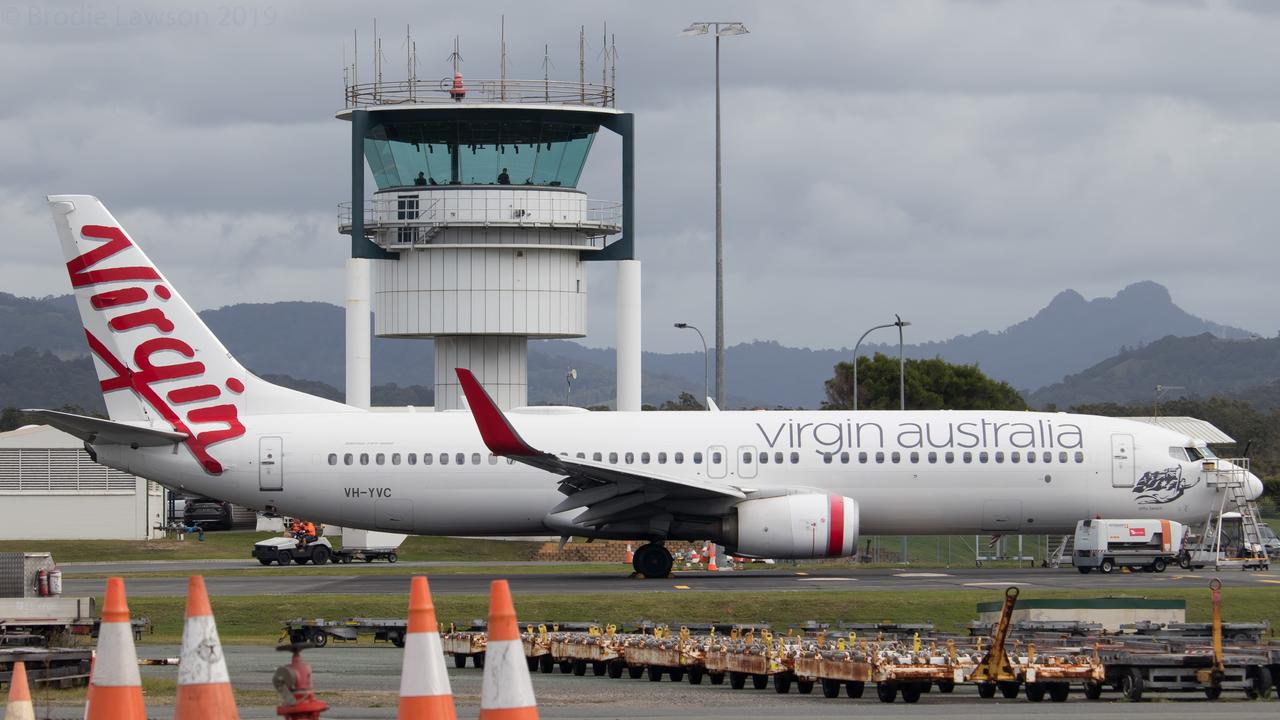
125,319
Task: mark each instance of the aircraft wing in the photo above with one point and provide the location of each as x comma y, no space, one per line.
97,430
608,492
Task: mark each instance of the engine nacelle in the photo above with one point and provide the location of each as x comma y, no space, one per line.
796,527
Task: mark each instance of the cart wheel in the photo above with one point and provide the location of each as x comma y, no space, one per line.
1083,570
1213,692
1009,689
397,640
546,663
760,682
367,559
830,688
737,680
695,675
946,686
392,558
1107,566
1131,685
782,683
716,678
579,668
1035,692
887,692
1059,691
283,559
635,672
615,668
855,688
566,667
459,660
986,690
655,673
1259,682
597,668
319,637
911,693
676,674
320,555
1158,565
1093,690
804,687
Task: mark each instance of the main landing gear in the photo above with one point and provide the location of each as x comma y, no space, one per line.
652,560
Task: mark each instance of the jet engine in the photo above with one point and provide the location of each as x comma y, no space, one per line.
800,526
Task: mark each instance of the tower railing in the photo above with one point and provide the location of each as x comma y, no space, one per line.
440,92
416,225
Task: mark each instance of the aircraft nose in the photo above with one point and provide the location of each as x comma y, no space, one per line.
1253,487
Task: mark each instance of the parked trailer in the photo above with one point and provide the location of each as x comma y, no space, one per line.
1107,544
320,631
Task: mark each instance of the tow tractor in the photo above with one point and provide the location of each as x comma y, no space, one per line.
285,550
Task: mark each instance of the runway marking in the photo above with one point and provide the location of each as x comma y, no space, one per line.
1273,582
986,584
802,573
826,579
922,575
681,587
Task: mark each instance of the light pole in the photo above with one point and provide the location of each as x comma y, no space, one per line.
902,365
687,326
719,29
855,359
1160,391
902,394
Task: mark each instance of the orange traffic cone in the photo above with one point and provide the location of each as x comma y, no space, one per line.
424,683
204,689
19,706
630,553
115,691
711,560
507,692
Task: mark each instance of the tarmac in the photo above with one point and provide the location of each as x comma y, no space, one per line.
370,675
364,579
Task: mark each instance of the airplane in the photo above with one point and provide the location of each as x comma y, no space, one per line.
786,484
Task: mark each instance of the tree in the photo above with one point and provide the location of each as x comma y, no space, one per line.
931,385
686,401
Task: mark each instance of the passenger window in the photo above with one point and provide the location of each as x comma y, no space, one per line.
1048,456
1079,456
613,457
716,458
364,458
630,458
777,458
411,458
581,456
347,459
460,459
895,456
999,456
746,458
862,457
427,458
950,457
662,458
395,458
1013,456
983,457
595,456
1031,456
493,459
914,456
795,457
380,459
826,458
1062,457
679,458
444,458
764,458
644,458
844,458
967,457
697,458
475,458
933,457
333,458
880,457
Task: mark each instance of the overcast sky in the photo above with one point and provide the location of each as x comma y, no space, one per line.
956,162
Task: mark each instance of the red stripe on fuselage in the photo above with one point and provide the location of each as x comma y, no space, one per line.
835,537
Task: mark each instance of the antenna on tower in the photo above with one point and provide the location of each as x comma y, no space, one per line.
613,70
604,55
411,61
456,56
355,57
582,62
502,66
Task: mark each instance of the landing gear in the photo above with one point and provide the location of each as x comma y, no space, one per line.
652,560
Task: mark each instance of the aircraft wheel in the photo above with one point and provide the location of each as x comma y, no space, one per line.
652,561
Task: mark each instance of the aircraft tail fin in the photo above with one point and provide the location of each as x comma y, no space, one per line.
157,362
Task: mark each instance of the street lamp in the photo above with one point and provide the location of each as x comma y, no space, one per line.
687,326
901,365
719,29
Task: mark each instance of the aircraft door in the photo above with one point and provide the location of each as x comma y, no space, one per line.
717,463
1122,468
746,462
271,463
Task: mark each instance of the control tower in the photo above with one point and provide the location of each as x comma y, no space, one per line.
476,234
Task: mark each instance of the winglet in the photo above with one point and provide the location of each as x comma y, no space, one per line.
495,429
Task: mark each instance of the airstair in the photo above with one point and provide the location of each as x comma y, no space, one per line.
1061,552
1220,546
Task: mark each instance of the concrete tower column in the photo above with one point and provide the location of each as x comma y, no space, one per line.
359,333
628,324
500,362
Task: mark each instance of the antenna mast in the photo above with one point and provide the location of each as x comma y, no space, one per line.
502,85
582,62
546,72
456,56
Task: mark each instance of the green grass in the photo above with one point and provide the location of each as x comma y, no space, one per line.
377,568
238,545
256,620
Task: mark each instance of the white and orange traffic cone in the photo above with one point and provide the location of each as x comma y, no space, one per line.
507,692
711,559
19,706
204,688
424,683
115,690
630,553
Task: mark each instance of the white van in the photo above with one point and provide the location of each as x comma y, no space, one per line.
1107,544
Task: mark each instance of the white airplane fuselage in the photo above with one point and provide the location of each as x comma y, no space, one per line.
497,496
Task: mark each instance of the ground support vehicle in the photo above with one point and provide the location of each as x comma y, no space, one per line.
463,644
834,669
1107,544
349,555
286,550
320,631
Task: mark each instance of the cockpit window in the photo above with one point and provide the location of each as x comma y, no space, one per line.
1178,453
1206,453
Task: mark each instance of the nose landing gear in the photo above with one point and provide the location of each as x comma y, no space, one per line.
652,560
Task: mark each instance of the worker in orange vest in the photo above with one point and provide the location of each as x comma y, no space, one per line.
308,533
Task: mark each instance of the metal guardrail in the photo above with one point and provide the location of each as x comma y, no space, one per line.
436,92
597,219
